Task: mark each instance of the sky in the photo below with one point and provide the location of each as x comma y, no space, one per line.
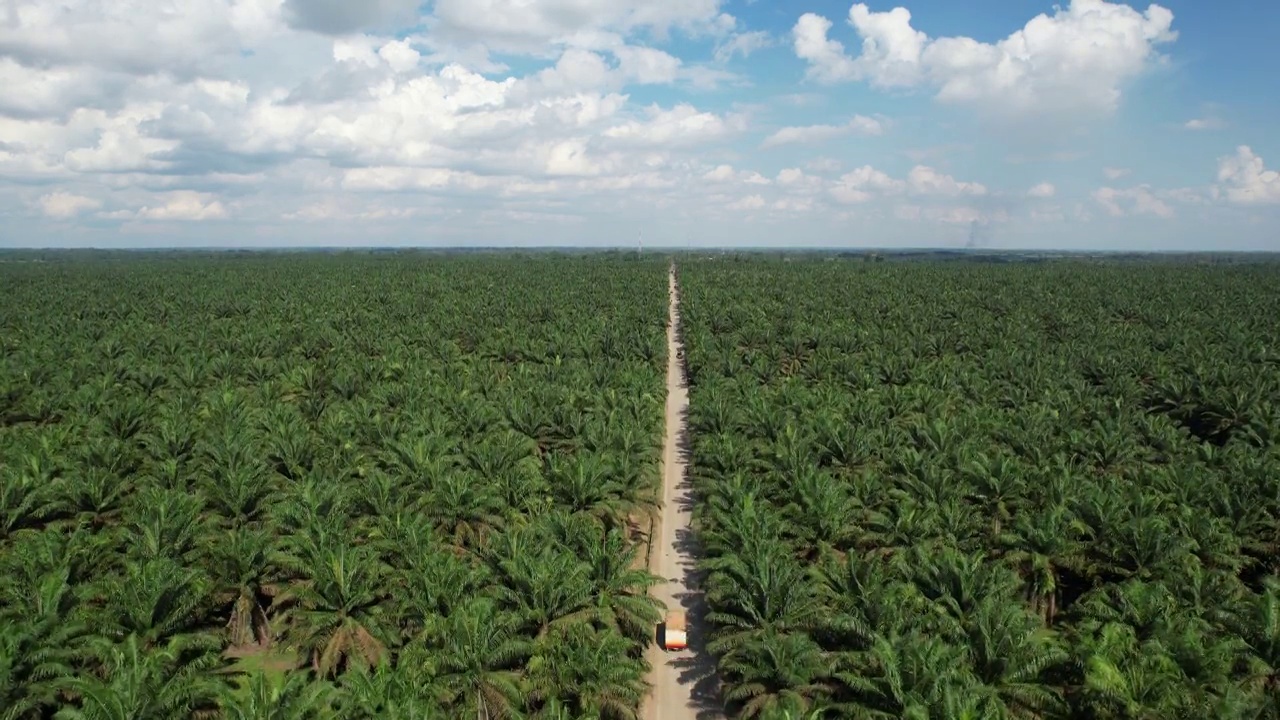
682,123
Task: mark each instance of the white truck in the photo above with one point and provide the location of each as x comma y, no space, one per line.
673,631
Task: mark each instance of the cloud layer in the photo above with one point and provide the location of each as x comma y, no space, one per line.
493,120
1079,58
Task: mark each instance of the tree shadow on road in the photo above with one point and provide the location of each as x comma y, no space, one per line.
696,666
699,666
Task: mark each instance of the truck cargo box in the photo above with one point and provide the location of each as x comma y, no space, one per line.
673,631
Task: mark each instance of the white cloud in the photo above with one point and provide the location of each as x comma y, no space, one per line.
647,65
1209,123
396,178
1139,200
1078,59
135,36
859,125
868,177
339,17
866,183
726,174
1042,190
1244,180
826,57
325,119
184,205
795,181
859,185
751,202
529,27
924,180
790,176
400,55
62,205
333,209
682,125
1115,173
743,44
823,165
794,204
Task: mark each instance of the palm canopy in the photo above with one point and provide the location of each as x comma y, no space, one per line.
965,496
319,465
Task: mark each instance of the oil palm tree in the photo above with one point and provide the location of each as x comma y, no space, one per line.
476,660
136,683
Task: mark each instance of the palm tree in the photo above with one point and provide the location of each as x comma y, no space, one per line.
155,601
822,511
622,603
763,590
337,614
25,500
1125,678
95,496
1011,653
1260,627
777,673
587,672
36,659
903,676
476,661
464,510
164,682
586,483
1042,546
295,697
386,691
544,588
164,523
244,563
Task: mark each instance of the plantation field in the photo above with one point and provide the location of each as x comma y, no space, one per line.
937,490
301,486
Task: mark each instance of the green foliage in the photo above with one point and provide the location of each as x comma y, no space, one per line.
356,486
933,490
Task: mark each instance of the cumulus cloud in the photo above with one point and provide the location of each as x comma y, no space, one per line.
924,180
1115,173
827,60
866,183
333,116
859,125
678,126
726,174
743,44
135,36
340,17
184,205
1042,190
793,204
751,202
62,205
1138,200
528,27
1244,180
823,165
859,185
1205,123
1079,58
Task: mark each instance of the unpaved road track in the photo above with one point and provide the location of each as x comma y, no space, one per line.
683,682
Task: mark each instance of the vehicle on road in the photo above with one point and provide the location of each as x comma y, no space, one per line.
671,634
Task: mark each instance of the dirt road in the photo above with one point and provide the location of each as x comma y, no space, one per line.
684,684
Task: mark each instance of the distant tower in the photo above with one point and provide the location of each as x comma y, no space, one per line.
639,243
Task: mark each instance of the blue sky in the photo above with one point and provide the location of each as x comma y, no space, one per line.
1000,123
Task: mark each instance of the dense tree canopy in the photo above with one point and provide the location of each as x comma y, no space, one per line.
933,490
300,486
